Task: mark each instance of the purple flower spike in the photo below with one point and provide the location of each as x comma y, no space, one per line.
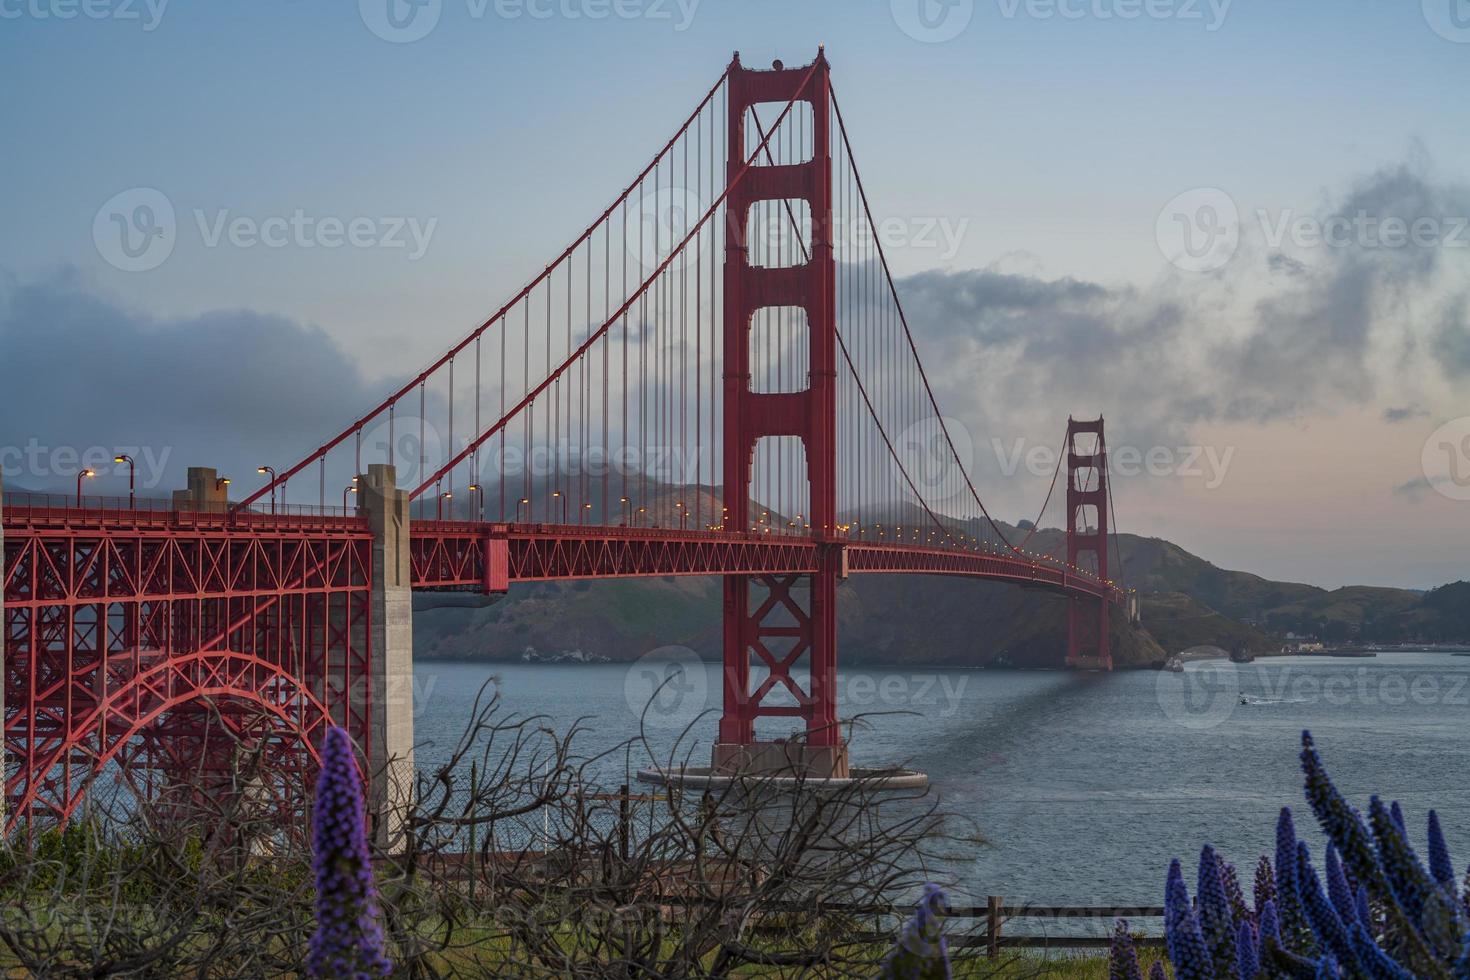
1122,957
1440,867
1247,957
922,951
348,942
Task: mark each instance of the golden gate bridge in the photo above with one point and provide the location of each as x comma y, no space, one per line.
731,311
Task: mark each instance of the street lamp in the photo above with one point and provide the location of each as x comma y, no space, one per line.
345,492
683,515
627,511
84,474
557,494
523,502
272,473
476,488
446,495
641,512
125,458
582,518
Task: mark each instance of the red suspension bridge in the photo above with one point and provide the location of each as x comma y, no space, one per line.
715,378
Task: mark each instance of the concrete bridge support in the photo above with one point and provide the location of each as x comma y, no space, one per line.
390,752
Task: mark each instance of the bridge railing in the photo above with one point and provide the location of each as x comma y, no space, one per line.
39,507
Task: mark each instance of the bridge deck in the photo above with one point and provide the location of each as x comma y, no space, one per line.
473,555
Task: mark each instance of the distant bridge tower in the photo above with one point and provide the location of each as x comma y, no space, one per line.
781,629
1087,535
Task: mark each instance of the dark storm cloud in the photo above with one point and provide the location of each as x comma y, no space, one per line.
230,389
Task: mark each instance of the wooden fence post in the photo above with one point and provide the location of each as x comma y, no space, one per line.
623,821
992,926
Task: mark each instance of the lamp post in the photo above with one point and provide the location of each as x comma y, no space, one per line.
627,509
345,492
83,475
132,496
272,474
526,503
582,517
480,508
555,495
446,495
641,512
683,515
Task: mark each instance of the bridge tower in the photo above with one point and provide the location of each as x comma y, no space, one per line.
780,617
1087,535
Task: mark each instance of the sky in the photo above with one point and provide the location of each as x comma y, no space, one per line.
1145,209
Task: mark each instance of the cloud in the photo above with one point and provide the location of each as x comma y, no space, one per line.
1452,340
1338,327
231,389
1395,415
1413,488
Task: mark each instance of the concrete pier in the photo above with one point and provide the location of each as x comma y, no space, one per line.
391,748
206,491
